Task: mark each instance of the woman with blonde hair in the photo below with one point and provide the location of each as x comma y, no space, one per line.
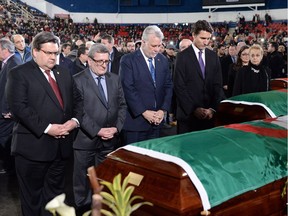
255,77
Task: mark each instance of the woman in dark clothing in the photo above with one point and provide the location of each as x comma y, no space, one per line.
242,60
254,77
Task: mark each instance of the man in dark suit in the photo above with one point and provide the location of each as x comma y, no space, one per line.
9,61
103,119
115,55
147,85
197,82
47,107
80,62
64,62
226,63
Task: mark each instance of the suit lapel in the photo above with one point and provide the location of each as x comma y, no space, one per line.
60,82
145,66
44,82
92,83
196,62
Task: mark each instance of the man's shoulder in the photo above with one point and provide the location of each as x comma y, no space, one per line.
131,56
82,75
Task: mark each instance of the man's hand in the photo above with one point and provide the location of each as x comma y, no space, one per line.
107,133
149,115
200,113
58,131
7,115
70,125
158,117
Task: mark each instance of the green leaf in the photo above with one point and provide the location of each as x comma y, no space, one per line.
119,202
138,205
125,183
134,198
109,186
111,206
107,197
127,194
117,182
105,212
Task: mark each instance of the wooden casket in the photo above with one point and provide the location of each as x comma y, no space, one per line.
239,169
253,106
279,83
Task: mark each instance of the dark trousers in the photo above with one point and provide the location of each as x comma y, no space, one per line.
39,183
83,159
193,124
6,127
137,136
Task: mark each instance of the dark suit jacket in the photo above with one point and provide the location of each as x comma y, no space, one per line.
139,91
77,67
96,114
34,106
6,125
225,65
116,61
192,91
12,62
65,62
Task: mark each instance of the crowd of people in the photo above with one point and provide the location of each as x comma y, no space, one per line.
90,88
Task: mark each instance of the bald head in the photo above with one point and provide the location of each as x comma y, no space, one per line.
185,43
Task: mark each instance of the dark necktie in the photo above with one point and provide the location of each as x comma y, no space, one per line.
152,70
101,90
55,88
201,63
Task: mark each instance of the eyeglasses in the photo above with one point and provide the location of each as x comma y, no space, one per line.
50,53
101,62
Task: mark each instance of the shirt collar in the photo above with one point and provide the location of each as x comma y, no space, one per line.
5,60
96,76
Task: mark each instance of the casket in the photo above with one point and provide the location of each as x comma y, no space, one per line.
279,83
239,169
253,106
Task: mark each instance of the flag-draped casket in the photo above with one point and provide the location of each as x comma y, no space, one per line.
253,106
238,169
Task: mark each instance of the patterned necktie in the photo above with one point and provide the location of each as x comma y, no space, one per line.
101,90
152,70
55,88
201,63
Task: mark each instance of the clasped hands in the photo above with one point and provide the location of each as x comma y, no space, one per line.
153,117
202,113
62,130
107,133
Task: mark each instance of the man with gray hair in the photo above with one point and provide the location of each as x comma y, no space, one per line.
9,61
104,115
147,85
